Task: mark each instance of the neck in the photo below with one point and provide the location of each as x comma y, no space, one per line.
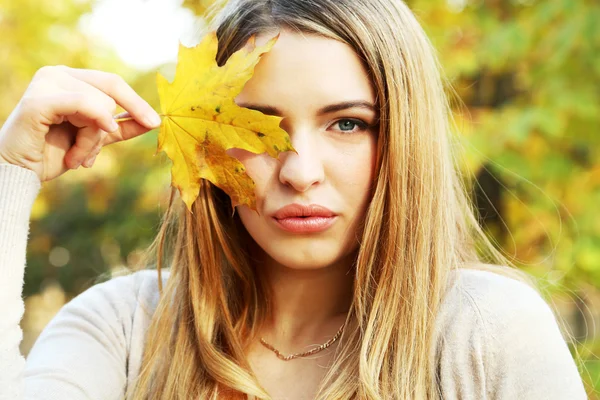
308,305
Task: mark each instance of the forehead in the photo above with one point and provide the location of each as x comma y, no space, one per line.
308,67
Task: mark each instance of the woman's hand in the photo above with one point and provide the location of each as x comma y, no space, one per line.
66,116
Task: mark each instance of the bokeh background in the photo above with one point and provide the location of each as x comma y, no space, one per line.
527,76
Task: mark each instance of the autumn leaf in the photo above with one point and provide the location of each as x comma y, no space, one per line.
201,121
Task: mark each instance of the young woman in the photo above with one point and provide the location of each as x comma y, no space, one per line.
363,276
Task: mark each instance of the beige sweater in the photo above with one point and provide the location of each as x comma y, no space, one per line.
496,337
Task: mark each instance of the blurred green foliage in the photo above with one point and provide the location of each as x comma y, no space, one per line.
527,71
529,74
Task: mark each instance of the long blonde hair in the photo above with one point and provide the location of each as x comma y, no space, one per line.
419,227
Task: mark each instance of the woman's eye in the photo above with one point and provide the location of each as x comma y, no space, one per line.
347,125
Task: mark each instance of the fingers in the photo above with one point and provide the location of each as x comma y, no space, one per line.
115,87
90,160
106,90
80,105
88,102
127,130
110,86
88,142
87,99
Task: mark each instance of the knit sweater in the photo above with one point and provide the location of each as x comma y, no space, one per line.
495,337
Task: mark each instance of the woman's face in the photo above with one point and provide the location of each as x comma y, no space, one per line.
304,78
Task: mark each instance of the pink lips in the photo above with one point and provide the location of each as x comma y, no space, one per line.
298,218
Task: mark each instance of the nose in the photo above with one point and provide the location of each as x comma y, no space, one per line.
302,170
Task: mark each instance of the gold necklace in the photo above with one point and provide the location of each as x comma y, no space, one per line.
305,353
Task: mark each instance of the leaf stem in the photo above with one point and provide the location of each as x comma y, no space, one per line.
124,119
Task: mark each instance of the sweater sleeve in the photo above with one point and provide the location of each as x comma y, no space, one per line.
18,189
504,343
83,352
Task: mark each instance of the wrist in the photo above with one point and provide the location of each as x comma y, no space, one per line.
4,160
7,161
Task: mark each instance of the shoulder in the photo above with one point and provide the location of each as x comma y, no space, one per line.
124,290
115,302
488,304
141,282
482,306
502,337
130,297
113,310
106,323
491,295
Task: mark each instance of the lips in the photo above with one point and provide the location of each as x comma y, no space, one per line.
299,210
298,218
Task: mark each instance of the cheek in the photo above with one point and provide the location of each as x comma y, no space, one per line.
354,170
259,167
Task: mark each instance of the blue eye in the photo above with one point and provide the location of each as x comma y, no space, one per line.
351,123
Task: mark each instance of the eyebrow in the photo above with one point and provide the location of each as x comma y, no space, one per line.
324,110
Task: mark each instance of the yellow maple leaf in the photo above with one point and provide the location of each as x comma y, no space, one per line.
201,121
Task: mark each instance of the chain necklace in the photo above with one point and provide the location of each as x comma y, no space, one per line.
305,353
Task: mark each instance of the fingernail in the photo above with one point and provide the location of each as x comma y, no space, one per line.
114,125
153,120
91,161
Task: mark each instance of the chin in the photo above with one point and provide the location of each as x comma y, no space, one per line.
299,252
306,258
302,263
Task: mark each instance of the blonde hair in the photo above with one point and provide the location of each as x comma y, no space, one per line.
419,227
